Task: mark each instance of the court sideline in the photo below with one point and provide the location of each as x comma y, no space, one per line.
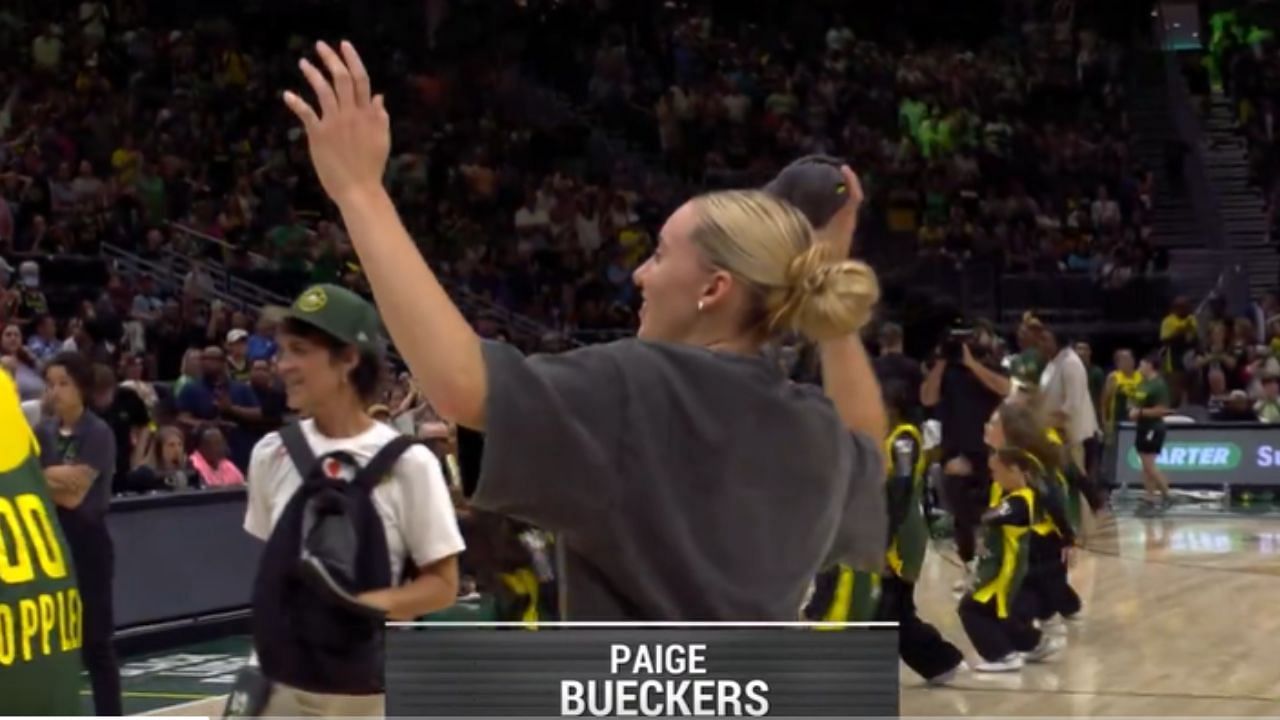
1178,616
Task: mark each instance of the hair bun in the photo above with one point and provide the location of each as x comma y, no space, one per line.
825,299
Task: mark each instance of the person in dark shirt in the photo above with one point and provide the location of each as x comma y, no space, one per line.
77,452
127,416
645,454
894,367
216,398
963,394
169,340
272,402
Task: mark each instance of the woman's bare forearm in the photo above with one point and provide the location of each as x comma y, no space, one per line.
440,347
850,381
435,589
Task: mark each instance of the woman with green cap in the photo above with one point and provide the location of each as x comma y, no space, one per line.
332,362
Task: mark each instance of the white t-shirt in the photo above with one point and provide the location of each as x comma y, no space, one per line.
537,218
413,502
737,106
589,237
1064,386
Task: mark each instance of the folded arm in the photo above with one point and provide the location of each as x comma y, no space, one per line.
68,484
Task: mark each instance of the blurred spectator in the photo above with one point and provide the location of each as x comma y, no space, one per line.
271,397
262,343
21,363
1268,405
892,366
133,368
237,346
127,416
31,300
192,371
164,465
214,398
1179,332
1236,408
210,460
43,341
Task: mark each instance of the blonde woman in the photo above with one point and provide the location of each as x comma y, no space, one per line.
162,463
687,478
190,370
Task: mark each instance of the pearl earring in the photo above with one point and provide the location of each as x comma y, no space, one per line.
700,303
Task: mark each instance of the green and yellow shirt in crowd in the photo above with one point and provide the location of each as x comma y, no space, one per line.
40,608
1126,385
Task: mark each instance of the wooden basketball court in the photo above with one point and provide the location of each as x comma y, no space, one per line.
1178,622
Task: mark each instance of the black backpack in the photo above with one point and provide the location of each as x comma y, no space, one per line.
328,547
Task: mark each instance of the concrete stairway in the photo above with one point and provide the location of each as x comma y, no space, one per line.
1175,224
1243,210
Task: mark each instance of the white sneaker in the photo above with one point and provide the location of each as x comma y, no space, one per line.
1049,645
949,676
1055,626
1009,663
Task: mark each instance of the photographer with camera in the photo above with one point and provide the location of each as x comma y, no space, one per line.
963,386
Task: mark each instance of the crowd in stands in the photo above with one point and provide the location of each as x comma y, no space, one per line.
1015,153
163,137
1242,62
1226,362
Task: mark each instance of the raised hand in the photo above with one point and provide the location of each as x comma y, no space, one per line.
350,138
839,230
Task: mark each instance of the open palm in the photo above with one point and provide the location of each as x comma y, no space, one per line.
350,137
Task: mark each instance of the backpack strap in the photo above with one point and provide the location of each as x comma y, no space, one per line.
300,452
380,465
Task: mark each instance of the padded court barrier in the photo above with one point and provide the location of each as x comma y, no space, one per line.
181,556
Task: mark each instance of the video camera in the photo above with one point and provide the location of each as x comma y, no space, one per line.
959,332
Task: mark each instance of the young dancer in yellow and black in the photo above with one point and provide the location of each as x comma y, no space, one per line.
922,648
1002,639
1045,592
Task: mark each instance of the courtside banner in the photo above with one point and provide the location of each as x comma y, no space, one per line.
1206,455
643,670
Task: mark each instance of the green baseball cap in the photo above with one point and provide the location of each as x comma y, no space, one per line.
340,313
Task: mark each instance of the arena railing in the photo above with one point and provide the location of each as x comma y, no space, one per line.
242,290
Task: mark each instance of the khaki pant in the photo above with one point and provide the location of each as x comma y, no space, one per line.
1076,451
291,703
1088,521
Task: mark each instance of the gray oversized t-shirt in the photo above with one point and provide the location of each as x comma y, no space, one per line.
683,484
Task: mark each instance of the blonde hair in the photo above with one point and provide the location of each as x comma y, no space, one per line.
163,435
796,284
